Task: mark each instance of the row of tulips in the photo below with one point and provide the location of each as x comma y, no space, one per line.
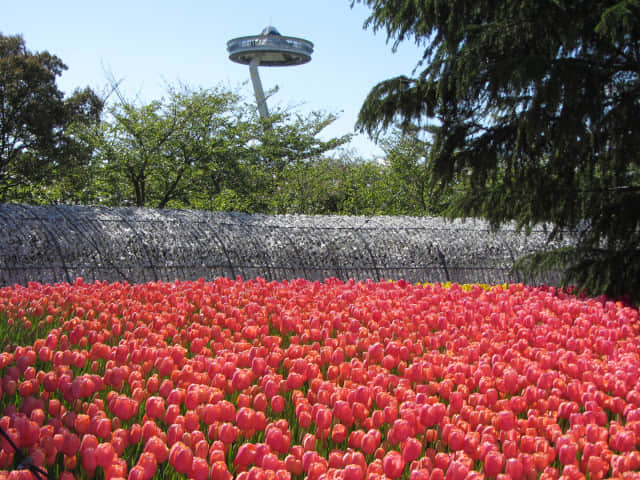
307,380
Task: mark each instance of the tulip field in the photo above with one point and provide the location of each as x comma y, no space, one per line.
332,380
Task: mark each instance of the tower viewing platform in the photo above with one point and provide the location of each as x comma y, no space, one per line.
272,48
269,49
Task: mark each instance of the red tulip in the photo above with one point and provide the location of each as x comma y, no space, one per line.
105,455
457,471
567,453
217,452
209,414
456,439
154,407
493,463
191,421
317,469
275,439
411,450
355,439
245,418
200,447
175,433
156,446
245,456
149,429
420,474
323,418
277,403
241,380
171,414
505,420
514,468
200,469
293,465
260,402
117,470
103,428
354,472
270,461
138,473
181,458
88,459
228,433
441,461
393,464
82,423
149,464
304,419
338,433
625,441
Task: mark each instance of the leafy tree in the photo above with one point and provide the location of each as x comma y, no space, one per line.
415,190
311,188
367,189
36,148
405,159
536,104
200,149
332,185
166,153
278,154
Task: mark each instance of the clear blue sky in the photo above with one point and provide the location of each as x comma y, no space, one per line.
149,44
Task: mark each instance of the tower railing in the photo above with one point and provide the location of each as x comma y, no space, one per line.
260,42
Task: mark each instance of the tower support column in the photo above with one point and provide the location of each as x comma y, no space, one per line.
257,87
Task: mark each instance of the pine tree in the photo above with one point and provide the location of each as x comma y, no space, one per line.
537,104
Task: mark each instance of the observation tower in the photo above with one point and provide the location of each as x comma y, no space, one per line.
269,49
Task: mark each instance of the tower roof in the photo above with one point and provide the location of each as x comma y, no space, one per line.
270,30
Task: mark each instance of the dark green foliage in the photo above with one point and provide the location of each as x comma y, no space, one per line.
36,146
535,104
414,189
366,189
334,185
